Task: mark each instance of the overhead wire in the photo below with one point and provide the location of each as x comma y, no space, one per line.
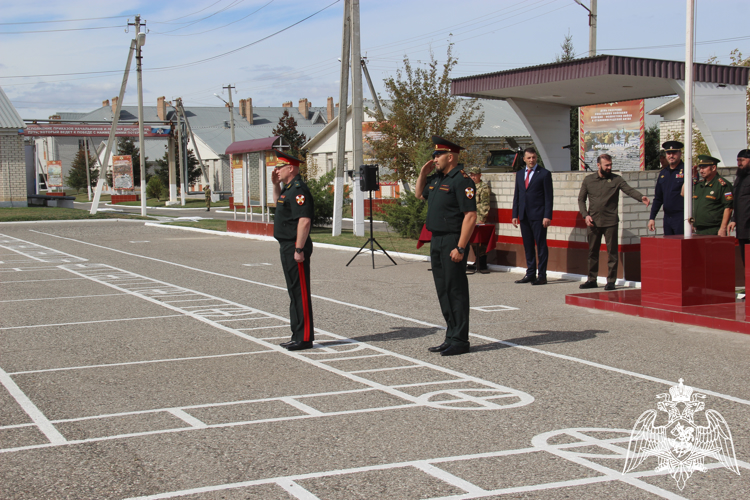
64,20
191,23
224,26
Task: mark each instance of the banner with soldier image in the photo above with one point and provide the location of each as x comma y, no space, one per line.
122,172
615,128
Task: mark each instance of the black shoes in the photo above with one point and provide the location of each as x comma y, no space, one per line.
298,346
454,350
609,287
527,279
540,281
286,344
590,284
439,348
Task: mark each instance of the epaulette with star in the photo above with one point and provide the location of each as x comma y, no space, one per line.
722,181
466,176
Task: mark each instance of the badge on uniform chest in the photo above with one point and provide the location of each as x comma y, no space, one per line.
445,187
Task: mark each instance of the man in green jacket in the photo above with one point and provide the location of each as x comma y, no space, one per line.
603,192
712,199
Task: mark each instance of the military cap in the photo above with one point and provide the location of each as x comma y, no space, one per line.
745,153
475,170
707,160
444,146
670,146
285,159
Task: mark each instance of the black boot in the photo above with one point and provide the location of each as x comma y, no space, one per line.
483,265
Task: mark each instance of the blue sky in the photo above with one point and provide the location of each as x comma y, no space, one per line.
302,60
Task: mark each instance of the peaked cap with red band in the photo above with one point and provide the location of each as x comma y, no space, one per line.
443,145
285,159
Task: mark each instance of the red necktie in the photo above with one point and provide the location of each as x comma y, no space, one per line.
528,171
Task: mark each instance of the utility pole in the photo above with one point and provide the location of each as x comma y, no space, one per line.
180,139
338,184
140,42
358,202
231,109
88,170
592,25
112,131
687,158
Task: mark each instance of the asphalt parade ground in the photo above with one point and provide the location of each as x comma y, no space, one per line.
143,362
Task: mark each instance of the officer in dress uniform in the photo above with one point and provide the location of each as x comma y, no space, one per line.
451,217
668,191
291,227
712,199
207,194
482,197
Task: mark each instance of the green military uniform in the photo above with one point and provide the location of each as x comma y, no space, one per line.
482,198
207,193
295,201
710,199
448,197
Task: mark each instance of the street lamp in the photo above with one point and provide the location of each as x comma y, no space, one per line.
231,110
592,25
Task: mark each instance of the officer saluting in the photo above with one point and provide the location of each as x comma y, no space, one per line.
291,227
451,217
669,191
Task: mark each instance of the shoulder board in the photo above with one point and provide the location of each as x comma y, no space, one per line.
722,181
466,176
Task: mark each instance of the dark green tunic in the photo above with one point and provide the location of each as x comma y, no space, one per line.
448,197
709,201
295,201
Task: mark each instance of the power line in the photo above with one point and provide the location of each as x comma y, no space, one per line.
55,31
705,42
65,20
218,27
190,23
171,21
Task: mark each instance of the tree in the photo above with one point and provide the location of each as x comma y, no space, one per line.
76,177
652,148
162,167
287,128
421,105
568,52
155,188
126,146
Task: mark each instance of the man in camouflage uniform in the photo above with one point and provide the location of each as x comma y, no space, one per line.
712,199
207,193
482,198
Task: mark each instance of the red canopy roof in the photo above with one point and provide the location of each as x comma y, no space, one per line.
253,145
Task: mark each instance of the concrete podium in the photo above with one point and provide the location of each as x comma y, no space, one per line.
683,280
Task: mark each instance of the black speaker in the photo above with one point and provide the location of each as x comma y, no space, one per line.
369,178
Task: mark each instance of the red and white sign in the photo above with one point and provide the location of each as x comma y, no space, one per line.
98,130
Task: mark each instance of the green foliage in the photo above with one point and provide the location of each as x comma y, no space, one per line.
652,148
155,188
322,192
568,52
421,105
287,128
407,217
162,167
126,146
76,177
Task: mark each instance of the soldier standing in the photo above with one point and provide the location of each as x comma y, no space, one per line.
668,191
291,227
451,217
712,199
482,197
741,215
207,194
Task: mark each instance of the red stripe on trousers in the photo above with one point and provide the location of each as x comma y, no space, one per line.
305,305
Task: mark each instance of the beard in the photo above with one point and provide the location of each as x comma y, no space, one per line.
742,172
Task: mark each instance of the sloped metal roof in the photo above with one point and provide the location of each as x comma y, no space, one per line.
252,145
9,117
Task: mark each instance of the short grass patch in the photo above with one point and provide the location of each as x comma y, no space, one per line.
57,213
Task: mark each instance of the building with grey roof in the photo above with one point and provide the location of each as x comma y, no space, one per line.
12,156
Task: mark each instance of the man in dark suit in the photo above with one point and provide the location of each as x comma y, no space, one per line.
532,209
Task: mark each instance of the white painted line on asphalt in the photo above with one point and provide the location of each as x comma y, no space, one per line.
296,490
12,244
302,407
91,322
265,328
449,478
258,264
44,425
384,369
425,323
496,308
141,241
187,418
41,281
70,297
131,363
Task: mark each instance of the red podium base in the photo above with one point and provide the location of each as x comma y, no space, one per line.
240,226
683,280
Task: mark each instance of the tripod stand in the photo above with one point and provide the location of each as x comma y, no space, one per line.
371,240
